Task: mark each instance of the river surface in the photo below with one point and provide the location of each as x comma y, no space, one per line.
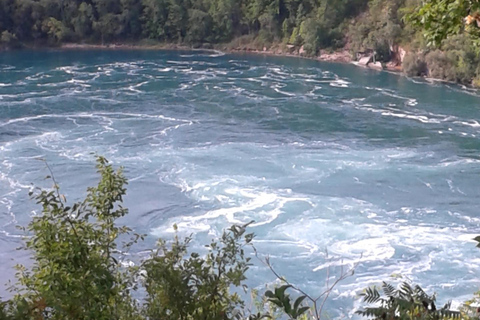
374,168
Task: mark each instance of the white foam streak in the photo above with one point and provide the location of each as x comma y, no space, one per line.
276,88
101,115
339,83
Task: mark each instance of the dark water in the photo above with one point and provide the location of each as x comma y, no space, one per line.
379,169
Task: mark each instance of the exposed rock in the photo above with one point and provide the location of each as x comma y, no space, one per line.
401,53
362,54
301,51
376,65
393,66
364,61
398,54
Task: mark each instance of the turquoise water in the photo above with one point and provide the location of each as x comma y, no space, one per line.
378,169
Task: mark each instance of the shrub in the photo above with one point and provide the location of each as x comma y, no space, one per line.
414,65
441,65
476,82
78,271
182,286
8,39
404,302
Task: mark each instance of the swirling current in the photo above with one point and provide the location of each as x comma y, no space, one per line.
371,167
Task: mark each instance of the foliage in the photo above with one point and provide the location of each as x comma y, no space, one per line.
282,300
8,39
182,286
414,65
80,272
378,29
371,26
78,268
457,61
404,302
188,21
409,301
76,271
314,305
55,29
442,18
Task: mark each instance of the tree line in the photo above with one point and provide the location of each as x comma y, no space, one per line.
318,23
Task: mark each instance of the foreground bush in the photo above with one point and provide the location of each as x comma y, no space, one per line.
76,271
79,271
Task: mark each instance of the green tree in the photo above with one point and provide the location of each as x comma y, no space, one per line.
6,12
79,272
177,20
442,18
131,17
110,24
199,25
76,272
54,29
22,19
82,23
154,18
8,39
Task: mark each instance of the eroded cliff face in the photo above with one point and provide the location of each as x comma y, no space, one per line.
397,55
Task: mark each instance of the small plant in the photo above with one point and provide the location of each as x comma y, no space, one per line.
282,300
404,302
190,286
314,304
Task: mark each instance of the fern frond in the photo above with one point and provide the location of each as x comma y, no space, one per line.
419,292
389,289
448,314
373,312
371,295
405,290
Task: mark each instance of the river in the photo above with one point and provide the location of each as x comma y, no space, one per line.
377,169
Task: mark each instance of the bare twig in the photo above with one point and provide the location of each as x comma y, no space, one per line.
317,309
55,184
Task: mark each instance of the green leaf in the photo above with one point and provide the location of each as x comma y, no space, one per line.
477,238
269,294
298,302
302,310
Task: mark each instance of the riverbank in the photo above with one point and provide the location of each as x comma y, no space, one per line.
280,50
342,56
339,56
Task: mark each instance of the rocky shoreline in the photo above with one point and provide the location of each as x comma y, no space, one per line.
342,56
339,56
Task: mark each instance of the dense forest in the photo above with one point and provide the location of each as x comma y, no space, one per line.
439,36
318,23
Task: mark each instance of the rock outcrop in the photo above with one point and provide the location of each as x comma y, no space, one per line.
367,60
